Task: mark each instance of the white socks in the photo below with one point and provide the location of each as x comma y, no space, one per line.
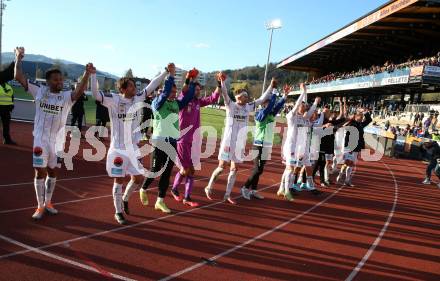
39,191
50,186
335,163
326,172
288,181
283,180
131,187
348,172
310,182
214,177
117,197
231,181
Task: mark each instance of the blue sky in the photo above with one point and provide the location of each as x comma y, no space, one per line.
147,34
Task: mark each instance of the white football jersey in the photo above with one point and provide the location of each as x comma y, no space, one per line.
124,119
51,112
298,133
237,116
125,114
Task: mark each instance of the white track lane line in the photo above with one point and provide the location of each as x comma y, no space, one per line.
71,179
96,197
62,259
262,235
244,244
123,227
58,180
382,232
76,178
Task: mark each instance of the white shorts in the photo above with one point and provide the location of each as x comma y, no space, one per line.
44,155
329,157
304,161
289,158
295,160
119,165
351,156
229,154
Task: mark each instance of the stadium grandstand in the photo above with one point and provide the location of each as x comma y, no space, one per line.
393,50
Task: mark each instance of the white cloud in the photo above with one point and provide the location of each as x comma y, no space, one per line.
201,46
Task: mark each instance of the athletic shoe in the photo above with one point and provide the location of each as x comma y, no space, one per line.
309,187
323,185
228,199
176,195
296,187
245,193
304,186
125,205
426,181
257,195
38,214
162,207
288,196
119,217
280,192
190,203
293,192
208,193
349,184
143,196
50,209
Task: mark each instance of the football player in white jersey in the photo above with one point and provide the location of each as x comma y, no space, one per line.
52,108
235,134
307,149
122,157
297,119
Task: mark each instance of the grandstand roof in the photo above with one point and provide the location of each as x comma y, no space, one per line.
394,31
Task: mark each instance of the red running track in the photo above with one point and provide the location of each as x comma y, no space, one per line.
385,228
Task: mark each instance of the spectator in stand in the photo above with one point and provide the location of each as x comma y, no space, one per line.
434,121
388,66
387,125
427,125
420,133
436,136
407,131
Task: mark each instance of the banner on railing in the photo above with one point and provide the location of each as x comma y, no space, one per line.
370,81
433,71
416,71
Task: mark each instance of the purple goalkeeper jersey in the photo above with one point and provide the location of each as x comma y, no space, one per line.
190,116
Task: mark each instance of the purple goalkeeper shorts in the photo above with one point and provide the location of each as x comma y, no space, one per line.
184,154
